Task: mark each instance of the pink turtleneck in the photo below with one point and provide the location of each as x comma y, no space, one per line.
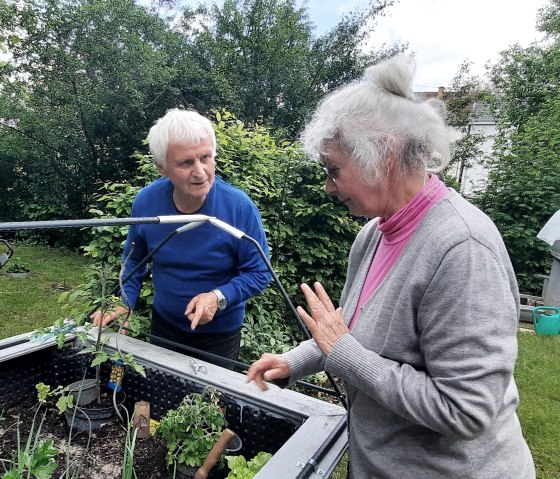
396,231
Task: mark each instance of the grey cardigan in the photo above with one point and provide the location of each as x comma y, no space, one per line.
428,366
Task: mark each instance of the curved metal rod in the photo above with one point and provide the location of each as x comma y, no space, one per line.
96,222
4,257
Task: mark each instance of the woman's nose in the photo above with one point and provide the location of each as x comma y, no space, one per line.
330,186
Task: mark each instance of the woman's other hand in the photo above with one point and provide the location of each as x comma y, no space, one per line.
325,323
268,368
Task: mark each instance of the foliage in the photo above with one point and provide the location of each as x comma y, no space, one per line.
523,79
301,222
35,460
115,200
191,430
79,301
127,471
86,297
464,94
266,328
85,79
264,62
243,469
16,265
77,95
36,457
522,192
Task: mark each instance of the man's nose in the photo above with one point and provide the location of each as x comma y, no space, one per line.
198,168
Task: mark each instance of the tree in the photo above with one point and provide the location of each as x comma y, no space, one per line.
523,191
87,78
525,78
464,93
264,59
523,188
78,94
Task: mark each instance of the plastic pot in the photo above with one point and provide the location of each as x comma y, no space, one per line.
93,416
18,275
84,391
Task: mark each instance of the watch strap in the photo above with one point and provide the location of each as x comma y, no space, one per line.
222,301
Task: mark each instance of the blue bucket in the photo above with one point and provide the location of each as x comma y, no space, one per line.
546,320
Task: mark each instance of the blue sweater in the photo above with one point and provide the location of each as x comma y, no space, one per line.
199,260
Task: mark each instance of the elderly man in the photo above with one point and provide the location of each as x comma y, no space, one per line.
203,277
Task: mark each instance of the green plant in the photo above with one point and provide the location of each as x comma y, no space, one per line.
82,300
36,457
16,265
127,471
243,469
191,430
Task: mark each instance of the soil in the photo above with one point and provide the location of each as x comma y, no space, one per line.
103,458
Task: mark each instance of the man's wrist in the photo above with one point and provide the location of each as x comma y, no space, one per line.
222,301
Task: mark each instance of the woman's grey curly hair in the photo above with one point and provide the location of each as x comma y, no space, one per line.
379,115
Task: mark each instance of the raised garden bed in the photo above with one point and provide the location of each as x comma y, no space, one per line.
306,436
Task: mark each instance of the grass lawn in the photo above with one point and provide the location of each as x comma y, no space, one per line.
26,304
538,378
30,303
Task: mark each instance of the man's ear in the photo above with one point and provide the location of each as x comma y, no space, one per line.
162,170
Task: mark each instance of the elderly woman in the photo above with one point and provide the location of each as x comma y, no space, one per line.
425,338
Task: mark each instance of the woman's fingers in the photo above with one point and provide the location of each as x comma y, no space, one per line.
324,297
318,301
267,368
305,317
325,322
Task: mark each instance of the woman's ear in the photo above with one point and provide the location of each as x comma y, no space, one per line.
390,164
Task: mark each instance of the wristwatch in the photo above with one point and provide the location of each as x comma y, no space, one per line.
222,301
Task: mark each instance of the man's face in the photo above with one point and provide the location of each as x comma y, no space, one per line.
191,169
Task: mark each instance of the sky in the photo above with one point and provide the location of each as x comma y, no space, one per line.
443,33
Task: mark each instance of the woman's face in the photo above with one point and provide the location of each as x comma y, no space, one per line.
344,181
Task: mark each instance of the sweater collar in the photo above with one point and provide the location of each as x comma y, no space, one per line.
403,223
